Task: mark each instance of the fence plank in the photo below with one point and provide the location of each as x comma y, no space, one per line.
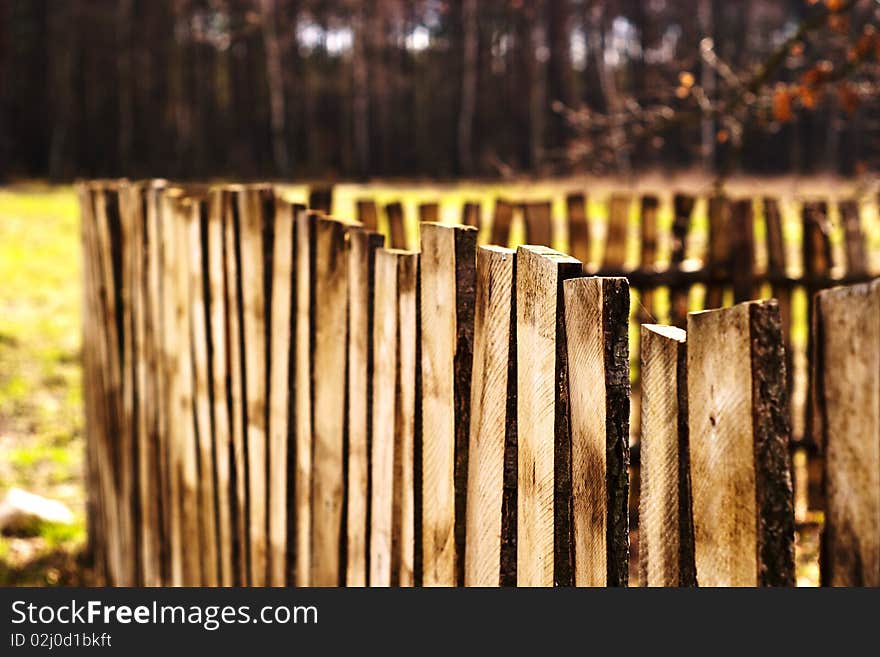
666,538
396,225
254,268
394,408
299,508
578,227
448,279
777,269
596,330
363,245
544,466
490,543
854,239
217,258
539,223
150,385
471,214
367,214
321,199
683,207
199,323
236,385
739,435
184,448
718,254
501,221
847,392
742,250
429,212
648,256
281,341
618,229
328,437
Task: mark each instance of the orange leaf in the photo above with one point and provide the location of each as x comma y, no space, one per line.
782,104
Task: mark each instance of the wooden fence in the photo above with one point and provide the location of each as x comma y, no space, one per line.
275,398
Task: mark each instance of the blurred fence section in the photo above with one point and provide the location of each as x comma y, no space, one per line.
276,396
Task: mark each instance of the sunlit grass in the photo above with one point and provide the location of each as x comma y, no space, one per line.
41,443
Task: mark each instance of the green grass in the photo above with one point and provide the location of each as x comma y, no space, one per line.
41,417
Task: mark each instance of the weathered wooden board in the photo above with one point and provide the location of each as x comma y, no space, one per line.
300,509
280,389
328,430
739,446
471,214
683,207
853,237
429,212
216,273
543,437
395,342
648,257
448,279
363,245
182,434
235,373
367,214
666,539
539,223
847,394
578,227
254,218
742,250
596,337
396,225
199,327
718,252
618,230
501,222
490,543
148,453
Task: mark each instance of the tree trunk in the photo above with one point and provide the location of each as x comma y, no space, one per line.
275,79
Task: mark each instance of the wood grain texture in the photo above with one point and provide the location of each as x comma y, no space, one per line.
240,552
199,327
491,484
395,342
254,268
184,448
543,437
847,393
578,227
300,509
596,325
363,245
148,455
328,430
618,230
280,402
737,416
721,438
666,543
447,298
221,420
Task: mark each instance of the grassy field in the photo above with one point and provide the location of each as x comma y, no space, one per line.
41,418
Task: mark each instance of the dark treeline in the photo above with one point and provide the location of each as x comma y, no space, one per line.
272,88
